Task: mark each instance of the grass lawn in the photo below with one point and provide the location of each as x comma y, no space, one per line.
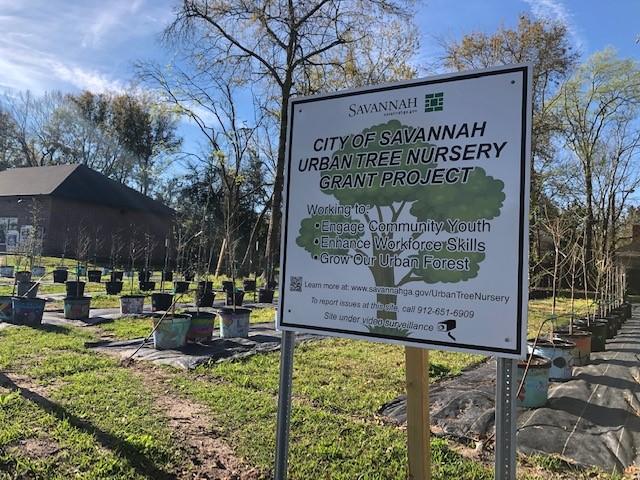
84,415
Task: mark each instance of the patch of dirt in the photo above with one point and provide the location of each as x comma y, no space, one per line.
207,455
35,448
24,382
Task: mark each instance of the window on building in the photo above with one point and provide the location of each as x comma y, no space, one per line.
7,224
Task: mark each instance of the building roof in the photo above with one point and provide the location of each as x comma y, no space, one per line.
78,183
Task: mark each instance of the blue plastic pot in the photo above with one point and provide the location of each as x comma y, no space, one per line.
27,311
171,332
535,390
561,353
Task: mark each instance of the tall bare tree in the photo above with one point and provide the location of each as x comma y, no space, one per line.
595,109
546,45
279,46
29,119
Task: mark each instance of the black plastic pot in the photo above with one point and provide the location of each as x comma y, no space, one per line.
116,276
167,276
147,286
227,286
188,276
239,297
599,330
60,276
94,276
180,287
249,285
161,301
23,276
28,289
205,296
75,289
265,295
144,276
113,288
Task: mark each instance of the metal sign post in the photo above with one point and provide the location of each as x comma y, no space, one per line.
284,405
506,419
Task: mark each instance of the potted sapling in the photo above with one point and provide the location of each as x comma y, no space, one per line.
76,304
560,352
35,239
234,319
167,272
26,308
161,301
95,275
24,284
205,295
180,287
144,276
132,304
114,285
61,273
582,338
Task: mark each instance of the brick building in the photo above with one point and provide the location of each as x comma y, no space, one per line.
63,206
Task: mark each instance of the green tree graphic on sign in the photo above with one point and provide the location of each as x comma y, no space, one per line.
481,197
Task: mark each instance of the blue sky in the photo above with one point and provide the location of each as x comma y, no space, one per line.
70,45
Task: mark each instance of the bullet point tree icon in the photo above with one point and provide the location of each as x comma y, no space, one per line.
480,197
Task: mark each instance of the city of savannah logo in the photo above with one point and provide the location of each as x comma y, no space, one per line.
434,102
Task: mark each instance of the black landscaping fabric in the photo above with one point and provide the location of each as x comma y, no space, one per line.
263,338
591,420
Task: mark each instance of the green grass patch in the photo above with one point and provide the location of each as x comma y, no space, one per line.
540,310
128,327
98,418
346,376
324,444
263,315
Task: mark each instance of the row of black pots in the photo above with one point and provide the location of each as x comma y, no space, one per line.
204,291
95,276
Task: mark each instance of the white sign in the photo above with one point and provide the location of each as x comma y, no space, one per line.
406,213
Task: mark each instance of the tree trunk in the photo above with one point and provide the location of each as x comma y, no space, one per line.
221,257
590,220
252,236
273,235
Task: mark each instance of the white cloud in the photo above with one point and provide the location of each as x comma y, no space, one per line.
108,18
85,79
62,45
24,68
556,11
